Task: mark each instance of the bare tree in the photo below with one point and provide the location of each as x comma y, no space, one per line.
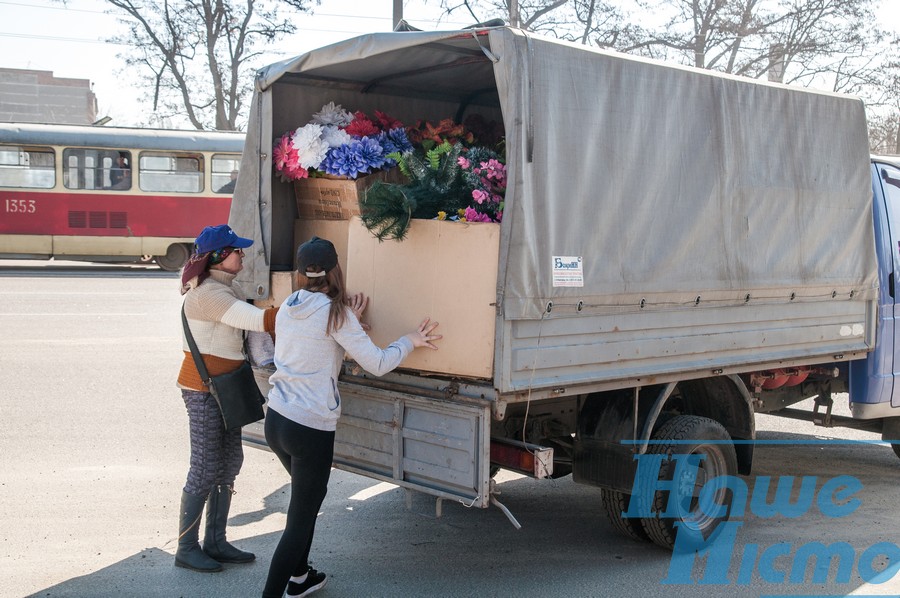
532,15
196,56
794,41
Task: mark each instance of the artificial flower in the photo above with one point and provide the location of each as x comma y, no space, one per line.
311,149
358,157
335,136
333,115
362,126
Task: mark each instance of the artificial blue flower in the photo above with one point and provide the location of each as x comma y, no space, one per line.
355,158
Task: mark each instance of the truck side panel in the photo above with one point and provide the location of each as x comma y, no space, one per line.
569,348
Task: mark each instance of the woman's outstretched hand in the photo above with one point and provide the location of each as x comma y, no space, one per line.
423,336
357,304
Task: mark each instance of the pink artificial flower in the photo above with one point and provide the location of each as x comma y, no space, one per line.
495,171
296,172
284,152
473,215
479,196
463,162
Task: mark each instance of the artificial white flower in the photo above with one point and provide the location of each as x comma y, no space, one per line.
335,137
311,149
332,115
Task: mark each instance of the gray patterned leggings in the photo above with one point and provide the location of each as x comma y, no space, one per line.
216,454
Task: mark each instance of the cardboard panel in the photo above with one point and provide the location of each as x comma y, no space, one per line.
443,270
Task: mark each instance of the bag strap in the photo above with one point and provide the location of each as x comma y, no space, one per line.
198,359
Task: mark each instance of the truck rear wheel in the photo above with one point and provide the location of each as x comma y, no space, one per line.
690,434
614,503
176,256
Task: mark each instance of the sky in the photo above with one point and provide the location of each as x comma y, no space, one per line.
67,39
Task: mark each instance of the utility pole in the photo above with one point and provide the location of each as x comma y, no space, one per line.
398,12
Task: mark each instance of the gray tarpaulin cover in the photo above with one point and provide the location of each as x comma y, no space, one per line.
670,183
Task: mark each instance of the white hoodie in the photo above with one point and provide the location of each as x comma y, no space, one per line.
308,360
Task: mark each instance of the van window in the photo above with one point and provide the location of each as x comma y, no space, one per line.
31,167
170,172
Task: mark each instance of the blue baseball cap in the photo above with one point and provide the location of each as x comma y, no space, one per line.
219,237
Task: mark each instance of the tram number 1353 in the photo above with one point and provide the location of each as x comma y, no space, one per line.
20,206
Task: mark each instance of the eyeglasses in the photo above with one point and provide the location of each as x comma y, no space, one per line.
220,255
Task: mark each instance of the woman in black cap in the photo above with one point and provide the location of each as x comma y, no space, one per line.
217,319
314,328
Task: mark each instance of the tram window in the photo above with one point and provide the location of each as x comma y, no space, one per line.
224,172
27,167
88,168
171,173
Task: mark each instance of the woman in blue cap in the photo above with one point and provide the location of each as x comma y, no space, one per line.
217,318
315,328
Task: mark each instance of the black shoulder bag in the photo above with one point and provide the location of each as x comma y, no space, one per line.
236,392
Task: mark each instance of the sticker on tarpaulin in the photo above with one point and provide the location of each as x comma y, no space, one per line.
568,271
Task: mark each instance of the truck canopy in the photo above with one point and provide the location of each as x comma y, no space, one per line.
692,198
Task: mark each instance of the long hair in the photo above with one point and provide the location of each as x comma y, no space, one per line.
332,284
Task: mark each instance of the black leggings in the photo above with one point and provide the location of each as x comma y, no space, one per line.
307,454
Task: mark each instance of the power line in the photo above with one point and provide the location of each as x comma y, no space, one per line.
114,14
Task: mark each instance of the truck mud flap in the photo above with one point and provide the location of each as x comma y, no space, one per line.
439,447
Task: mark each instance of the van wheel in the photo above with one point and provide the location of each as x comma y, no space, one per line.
614,503
176,256
690,434
890,432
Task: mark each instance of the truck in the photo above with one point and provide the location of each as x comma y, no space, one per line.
679,250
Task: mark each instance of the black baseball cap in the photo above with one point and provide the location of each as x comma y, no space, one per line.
316,252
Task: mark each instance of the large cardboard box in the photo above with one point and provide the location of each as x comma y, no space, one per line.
324,198
443,270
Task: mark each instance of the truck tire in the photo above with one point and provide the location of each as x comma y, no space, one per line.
891,433
690,434
614,503
176,256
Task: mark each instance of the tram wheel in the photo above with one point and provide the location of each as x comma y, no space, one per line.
176,256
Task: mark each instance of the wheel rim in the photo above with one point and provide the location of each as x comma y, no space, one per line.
176,256
688,491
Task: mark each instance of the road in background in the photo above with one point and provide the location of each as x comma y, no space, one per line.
94,454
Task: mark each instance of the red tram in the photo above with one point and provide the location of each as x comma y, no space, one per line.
112,194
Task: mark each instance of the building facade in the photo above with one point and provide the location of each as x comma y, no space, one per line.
39,97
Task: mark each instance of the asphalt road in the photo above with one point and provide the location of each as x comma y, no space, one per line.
94,453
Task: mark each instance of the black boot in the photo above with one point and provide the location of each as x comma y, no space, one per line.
189,554
214,543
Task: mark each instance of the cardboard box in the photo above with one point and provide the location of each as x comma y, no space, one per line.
443,270
336,199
